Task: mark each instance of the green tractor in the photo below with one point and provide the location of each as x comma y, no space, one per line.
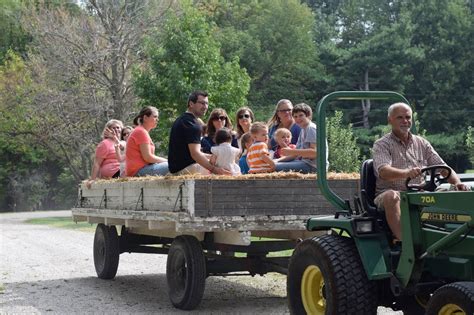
356,266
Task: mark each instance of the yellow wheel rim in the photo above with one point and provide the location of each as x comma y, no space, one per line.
312,285
451,309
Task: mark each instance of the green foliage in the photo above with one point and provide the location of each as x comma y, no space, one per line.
63,223
470,144
275,43
443,82
367,137
188,59
344,154
29,172
13,36
452,148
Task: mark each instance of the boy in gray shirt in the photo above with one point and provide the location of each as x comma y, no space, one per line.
305,153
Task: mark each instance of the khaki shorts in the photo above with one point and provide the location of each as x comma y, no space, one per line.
378,201
192,169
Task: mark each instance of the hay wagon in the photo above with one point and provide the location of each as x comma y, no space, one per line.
207,226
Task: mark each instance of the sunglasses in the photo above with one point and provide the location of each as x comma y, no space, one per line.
285,110
247,116
221,118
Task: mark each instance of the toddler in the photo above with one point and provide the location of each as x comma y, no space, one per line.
283,139
245,142
258,156
224,154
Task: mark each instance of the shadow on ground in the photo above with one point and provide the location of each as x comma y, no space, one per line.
137,294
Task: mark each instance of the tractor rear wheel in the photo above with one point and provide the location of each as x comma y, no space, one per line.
454,298
326,276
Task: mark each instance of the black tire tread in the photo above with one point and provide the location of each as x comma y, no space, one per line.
455,292
353,291
112,252
195,285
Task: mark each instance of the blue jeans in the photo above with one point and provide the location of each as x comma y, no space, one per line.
296,166
154,169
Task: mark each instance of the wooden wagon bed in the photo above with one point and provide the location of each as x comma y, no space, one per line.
195,205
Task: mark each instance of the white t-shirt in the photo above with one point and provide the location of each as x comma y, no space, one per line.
226,156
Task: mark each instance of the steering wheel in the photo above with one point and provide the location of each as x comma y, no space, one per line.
435,178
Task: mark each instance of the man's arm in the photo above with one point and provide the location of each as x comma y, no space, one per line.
456,181
201,159
390,173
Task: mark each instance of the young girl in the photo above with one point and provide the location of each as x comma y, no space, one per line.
245,142
120,147
283,139
224,154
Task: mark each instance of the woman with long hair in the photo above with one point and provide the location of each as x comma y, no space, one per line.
106,164
217,119
282,118
244,119
140,158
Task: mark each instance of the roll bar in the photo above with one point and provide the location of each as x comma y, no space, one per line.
321,134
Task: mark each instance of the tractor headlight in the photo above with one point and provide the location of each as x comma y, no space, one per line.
364,226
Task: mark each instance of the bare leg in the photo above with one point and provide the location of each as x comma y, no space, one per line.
391,202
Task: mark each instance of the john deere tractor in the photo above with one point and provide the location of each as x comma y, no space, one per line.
357,266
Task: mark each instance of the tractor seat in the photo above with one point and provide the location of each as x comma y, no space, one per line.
367,188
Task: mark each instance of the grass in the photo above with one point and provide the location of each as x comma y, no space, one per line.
63,223
469,171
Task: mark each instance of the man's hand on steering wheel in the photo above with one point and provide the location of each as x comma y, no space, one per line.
413,172
461,187
436,177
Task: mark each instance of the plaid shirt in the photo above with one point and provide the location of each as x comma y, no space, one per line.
390,150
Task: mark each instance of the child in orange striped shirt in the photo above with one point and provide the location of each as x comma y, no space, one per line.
258,157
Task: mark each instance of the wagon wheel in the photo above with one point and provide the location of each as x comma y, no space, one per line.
326,276
186,272
106,251
452,299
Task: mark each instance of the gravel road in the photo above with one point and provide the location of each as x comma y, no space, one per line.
50,270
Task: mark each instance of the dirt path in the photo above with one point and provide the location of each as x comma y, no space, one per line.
49,270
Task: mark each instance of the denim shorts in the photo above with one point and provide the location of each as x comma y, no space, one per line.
154,169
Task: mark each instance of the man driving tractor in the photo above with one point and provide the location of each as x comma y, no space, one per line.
400,155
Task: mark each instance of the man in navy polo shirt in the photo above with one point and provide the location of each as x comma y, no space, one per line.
184,152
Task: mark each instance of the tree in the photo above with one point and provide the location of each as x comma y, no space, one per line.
13,36
470,144
442,86
274,42
82,60
188,59
344,155
28,171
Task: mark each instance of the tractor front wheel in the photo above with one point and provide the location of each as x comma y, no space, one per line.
452,299
326,276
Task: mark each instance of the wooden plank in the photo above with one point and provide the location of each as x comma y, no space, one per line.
162,225
211,197
112,221
135,223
